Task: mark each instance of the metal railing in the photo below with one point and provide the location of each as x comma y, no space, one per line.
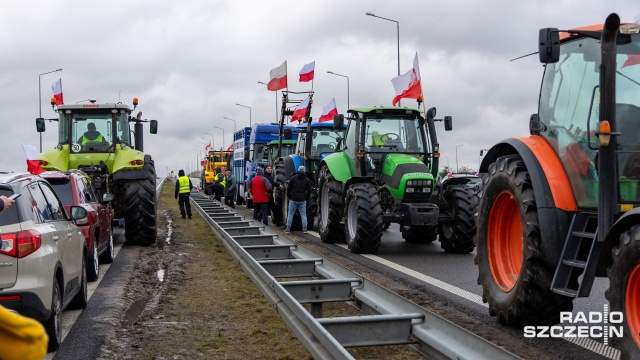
388,319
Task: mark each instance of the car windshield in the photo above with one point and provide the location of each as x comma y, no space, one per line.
62,187
397,134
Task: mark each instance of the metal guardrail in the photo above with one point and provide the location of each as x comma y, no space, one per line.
388,319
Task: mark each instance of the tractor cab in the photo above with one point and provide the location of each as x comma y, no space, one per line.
316,140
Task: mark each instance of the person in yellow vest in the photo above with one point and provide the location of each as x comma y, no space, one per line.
218,184
183,188
21,337
92,136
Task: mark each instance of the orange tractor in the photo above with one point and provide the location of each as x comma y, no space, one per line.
562,206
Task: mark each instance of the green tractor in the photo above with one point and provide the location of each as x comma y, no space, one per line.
386,170
96,138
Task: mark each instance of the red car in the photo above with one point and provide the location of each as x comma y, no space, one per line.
74,187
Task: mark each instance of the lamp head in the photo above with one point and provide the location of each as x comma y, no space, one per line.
370,14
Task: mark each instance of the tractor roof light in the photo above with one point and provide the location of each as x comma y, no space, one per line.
604,133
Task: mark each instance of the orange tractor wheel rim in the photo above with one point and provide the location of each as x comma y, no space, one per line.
504,241
632,304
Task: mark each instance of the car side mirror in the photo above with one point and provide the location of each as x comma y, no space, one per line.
338,121
448,123
288,134
549,45
78,212
40,125
153,128
106,197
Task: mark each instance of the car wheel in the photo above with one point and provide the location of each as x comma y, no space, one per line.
53,325
109,253
80,300
93,264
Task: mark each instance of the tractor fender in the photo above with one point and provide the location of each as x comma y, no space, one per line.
290,165
341,166
129,175
624,223
556,219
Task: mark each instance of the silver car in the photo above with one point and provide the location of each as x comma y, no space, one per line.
42,254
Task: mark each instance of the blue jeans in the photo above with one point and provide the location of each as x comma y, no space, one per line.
300,205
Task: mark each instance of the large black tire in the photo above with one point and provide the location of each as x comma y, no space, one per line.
53,325
509,245
330,204
140,207
419,234
624,291
458,235
363,218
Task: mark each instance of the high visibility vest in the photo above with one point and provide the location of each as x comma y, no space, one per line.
184,185
86,140
222,183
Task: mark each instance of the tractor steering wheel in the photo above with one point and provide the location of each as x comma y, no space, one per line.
397,137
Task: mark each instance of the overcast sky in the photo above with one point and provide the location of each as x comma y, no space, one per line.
189,63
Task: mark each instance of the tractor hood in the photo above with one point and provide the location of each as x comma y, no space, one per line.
62,159
399,169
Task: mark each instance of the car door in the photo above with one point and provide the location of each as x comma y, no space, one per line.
70,239
104,215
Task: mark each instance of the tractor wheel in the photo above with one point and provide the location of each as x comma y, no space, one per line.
280,194
312,209
330,204
514,274
624,291
363,218
140,207
419,234
457,235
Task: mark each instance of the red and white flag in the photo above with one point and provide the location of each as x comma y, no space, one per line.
301,110
33,163
328,111
306,74
633,59
408,85
278,78
230,147
208,146
57,91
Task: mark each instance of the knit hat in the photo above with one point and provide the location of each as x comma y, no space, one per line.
301,169
181,173
259,171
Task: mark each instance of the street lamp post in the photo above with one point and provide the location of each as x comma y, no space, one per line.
234,123
248,107
332,73
457,168
40,98
264,83
217,127
398,31
448,167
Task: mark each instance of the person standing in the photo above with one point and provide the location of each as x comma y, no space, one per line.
260,190
183,188
230,189
298,190
276,218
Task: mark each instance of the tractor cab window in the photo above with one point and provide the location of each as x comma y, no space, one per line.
258,152
385,134
324,141
123,136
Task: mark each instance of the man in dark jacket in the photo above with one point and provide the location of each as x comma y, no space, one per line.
183,188
298,190
229,189
275,217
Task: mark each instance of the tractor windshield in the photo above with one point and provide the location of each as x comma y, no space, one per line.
569,107
393,134
93,132
324,140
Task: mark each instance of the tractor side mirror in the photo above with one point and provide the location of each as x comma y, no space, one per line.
448,123
40,125
338,121
288,134
549,45
153,128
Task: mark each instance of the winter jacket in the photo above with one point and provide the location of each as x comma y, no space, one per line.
299,187
230,188
260,188
21,337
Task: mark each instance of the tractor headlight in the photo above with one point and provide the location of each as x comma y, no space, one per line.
410,189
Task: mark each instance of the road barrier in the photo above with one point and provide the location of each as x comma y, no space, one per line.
388,319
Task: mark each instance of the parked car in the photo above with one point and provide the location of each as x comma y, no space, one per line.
474,181
74,187
42,254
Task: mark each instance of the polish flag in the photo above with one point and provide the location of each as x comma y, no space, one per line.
57,92
230,147
306,74
208,146
633,59
278,78
33,163
408,85
328,111
301,110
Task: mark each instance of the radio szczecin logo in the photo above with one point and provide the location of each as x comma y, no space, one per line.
593,324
